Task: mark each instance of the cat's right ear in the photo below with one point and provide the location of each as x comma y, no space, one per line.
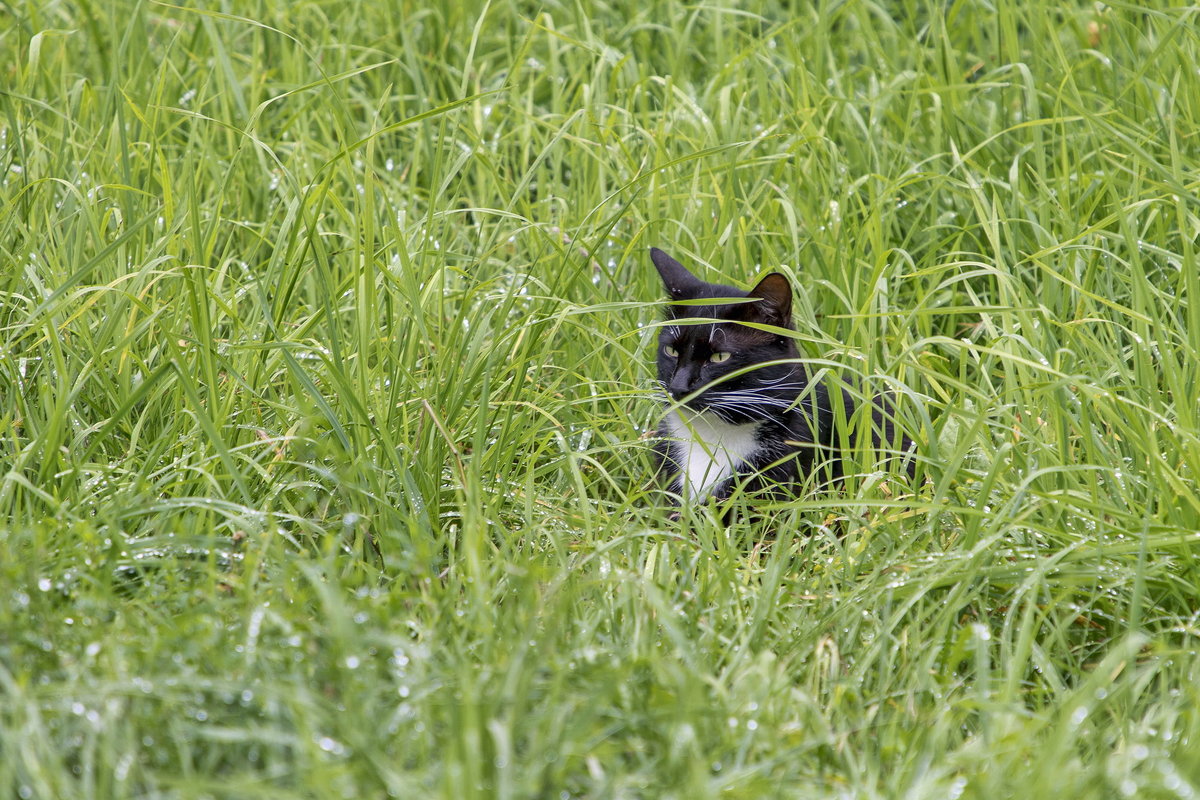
680,283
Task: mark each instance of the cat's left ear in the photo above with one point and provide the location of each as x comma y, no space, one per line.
679,283
774,306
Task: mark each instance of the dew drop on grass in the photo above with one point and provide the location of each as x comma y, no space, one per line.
352,662
331,745
1172,781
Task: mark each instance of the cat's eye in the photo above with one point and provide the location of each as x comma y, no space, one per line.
671,351
718,357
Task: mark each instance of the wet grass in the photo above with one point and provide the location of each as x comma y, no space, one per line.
325,367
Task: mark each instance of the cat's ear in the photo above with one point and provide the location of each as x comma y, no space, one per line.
774,306
680,283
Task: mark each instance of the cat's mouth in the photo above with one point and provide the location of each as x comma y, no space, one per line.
697,400
736,405
697,405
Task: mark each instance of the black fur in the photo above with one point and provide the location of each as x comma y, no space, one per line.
796,431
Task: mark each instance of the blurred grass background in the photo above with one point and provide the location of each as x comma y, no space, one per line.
325,366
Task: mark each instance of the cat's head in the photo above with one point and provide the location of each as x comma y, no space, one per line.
705,365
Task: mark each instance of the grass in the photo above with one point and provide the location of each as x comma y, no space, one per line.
325,368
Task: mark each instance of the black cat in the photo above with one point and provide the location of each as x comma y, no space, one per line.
747,409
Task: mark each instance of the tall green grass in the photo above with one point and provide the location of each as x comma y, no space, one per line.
325,369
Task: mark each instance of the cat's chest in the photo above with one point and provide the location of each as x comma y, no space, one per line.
708,451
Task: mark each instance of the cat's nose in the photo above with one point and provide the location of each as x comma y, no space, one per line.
680,389
682,383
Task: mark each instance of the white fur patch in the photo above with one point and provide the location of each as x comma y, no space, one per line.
708,450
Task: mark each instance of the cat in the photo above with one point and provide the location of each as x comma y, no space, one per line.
742,409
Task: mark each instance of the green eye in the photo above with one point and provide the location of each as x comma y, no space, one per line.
717,358
671,351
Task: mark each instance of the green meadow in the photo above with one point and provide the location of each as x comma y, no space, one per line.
326,377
